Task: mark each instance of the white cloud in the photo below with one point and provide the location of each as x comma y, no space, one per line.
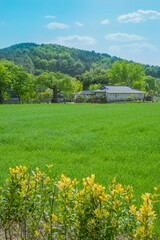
79,24
53,25
106,21
75,39
123,37
139,16
49,16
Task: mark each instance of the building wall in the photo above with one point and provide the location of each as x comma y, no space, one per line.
100,94
84,95
112,97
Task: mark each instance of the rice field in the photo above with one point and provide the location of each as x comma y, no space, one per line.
121,140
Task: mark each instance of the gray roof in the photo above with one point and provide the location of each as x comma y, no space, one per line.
117,89
84,92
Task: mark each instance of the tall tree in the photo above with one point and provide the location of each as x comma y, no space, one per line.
123,73
5,81
94,86
94,76
23,86
21,82
136,74
150,83
57,82
115,74
78,86
79,68
157,85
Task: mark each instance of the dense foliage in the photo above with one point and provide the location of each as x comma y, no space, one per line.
15,82
38,206
38,58
29,69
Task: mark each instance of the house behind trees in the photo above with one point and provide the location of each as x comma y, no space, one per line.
113,93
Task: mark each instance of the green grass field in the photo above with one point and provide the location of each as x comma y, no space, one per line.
121,140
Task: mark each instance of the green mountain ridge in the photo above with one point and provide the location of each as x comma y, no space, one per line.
37,58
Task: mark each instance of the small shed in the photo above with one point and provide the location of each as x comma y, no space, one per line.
118,93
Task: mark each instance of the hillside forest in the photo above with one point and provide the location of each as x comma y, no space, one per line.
36,72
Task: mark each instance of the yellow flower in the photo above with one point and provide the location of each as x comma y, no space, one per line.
46,180
133,210
75,182
36,234
46,228
76,204
54,217
49,167
84,182
146,196
112,193
43,174
154,196
25,181
126,198
25,168
91,180
82,212
119,189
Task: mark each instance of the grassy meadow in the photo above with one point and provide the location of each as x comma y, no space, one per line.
121,140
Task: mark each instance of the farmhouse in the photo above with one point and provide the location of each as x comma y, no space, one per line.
118,93
113,93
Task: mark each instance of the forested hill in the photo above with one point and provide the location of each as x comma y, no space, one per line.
38,58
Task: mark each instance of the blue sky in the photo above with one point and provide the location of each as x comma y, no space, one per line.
129,29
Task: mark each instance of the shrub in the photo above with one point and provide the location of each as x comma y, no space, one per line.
79,100
37,206
80,96
129,98
88,99
43,97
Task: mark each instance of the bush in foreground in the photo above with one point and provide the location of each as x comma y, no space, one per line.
38,207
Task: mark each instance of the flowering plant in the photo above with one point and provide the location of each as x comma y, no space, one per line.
36,206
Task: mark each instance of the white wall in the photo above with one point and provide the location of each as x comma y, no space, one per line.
84,95
111,97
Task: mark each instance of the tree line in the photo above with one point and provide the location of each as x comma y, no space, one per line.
121,73
53,58
36,72
37,59
16,82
